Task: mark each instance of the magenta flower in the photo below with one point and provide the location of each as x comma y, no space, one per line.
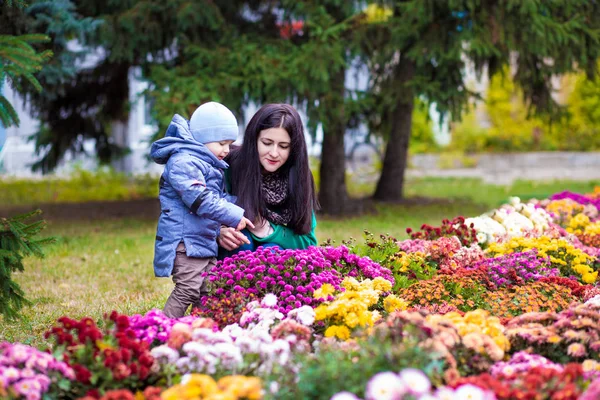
292,275
517,268
155,326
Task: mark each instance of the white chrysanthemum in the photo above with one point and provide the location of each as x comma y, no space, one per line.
415,380
344,396
482,238
527,210
445,393
500,215
304,315
164,354
594,301
261,334
205,335
183,365
517,221
269,301
248,317
248,344
471,392
229,355
252,305
195,349
260,317
233,331
385,386
487,228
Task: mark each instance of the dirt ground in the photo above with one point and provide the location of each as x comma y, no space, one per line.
144,209
150,209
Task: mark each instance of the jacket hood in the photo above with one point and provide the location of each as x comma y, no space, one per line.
179,139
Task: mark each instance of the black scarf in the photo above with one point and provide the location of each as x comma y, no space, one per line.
275,193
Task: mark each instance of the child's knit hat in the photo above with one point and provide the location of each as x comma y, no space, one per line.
213,122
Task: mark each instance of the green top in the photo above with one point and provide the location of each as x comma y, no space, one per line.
282,235
287,238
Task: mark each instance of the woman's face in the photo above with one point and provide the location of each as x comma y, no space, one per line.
273,148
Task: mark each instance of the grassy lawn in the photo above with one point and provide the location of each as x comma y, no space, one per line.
95,267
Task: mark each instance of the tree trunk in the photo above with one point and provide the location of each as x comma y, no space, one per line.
391,182
333,195
120,137
118,108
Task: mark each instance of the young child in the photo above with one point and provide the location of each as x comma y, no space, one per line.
193,201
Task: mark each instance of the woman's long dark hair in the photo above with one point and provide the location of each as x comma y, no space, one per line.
246,172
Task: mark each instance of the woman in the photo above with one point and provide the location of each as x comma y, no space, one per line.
270,175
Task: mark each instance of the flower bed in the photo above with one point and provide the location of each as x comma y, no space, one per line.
500,306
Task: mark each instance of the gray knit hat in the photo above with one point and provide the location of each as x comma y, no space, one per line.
213,122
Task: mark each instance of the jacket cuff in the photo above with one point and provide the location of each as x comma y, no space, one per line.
233,216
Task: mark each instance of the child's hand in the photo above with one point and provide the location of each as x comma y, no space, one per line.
243,223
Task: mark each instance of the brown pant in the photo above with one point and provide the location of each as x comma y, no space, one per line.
190,285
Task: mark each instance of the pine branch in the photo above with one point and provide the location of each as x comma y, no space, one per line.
8,115
17,241
18,58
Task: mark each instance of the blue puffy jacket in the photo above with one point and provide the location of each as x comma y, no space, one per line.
193,201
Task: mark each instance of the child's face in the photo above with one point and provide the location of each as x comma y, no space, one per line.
219,149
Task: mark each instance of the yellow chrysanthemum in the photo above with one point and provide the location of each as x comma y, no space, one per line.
324,291
339,331
593,229
590,277
247,387
192,387
502,342
331,331
321,313
350,283
393,303
382,285
369,297
351,319
578,223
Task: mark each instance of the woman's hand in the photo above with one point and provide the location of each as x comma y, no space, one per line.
230,239
262,228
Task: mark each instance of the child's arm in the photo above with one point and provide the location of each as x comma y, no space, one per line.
184,174
230,198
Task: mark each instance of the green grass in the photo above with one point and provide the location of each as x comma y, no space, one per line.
101,185
92,268
492,195
95,267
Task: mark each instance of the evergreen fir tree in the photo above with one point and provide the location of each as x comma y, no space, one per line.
17,241
58,20
288,51
19,60
418,49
